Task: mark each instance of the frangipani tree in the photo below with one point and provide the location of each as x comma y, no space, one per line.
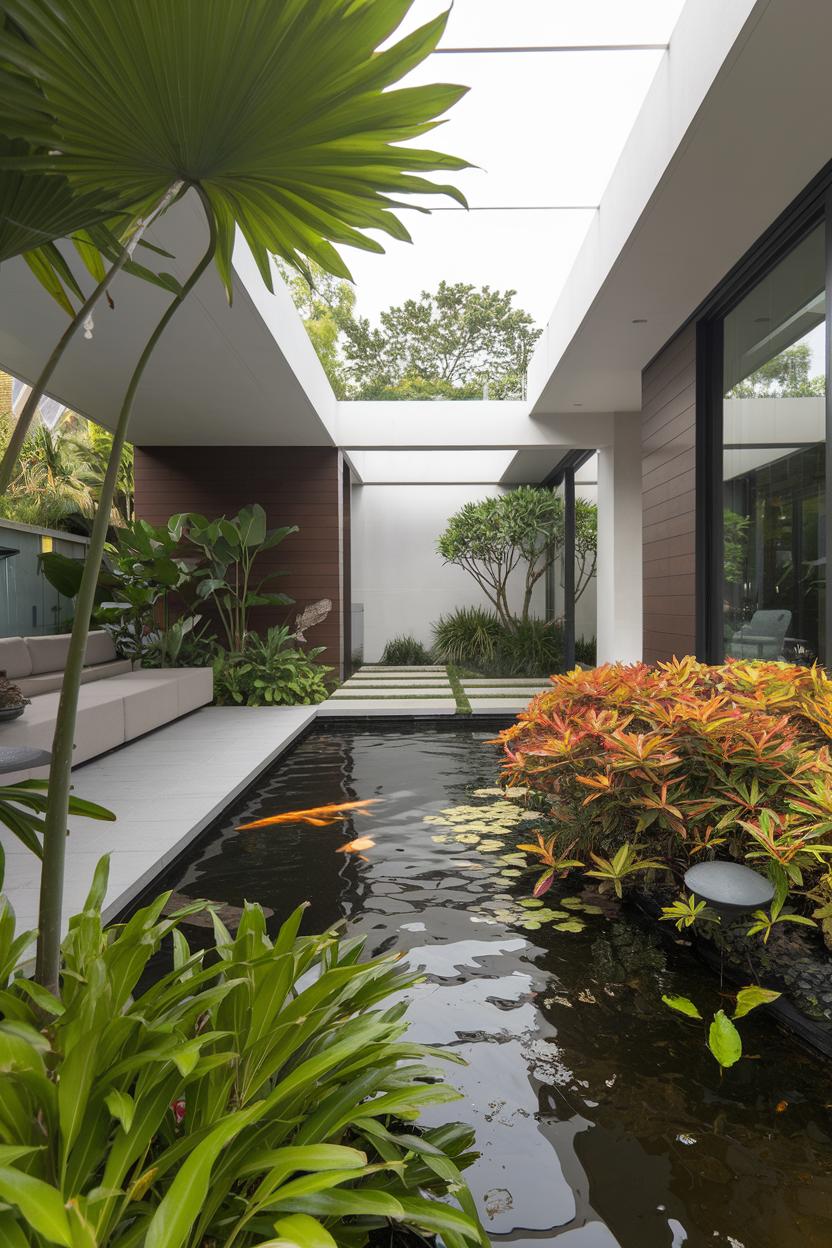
523,528
278,115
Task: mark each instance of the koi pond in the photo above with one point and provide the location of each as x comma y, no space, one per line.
601,1117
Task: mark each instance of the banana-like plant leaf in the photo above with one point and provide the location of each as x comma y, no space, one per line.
282,115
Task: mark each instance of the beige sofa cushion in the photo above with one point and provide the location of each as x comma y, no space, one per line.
48,654
99,726
195,685
15,659
100,648
44,682
99,671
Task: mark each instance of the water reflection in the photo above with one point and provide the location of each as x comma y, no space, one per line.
602,1119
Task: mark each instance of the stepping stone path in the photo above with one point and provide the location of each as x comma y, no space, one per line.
379,690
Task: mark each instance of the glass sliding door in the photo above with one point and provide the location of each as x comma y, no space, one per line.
774,463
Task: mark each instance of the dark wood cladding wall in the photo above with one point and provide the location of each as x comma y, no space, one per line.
668,409
296,485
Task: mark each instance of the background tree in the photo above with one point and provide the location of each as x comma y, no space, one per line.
489,539
459,342
784,376
326,305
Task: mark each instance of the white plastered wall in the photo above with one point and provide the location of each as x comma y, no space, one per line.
397,573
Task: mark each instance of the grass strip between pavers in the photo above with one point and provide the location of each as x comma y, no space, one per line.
463,706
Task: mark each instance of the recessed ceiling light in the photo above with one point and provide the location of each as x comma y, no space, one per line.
640,320
577,404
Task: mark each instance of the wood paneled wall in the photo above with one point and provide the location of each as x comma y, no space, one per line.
669,499
296,485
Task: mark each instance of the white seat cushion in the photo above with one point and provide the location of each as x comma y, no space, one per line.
48,654
15,659
100,725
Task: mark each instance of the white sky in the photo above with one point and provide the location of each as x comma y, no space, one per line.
545,128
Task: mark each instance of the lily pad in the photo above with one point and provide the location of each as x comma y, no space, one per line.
489,847
571,925
487,793
440,838
467,838
572,903
593,909
510,874
531,903
531,926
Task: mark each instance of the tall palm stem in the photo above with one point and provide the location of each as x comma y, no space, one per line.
57,810
24,421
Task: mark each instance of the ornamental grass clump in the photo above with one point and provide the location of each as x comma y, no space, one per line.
688,762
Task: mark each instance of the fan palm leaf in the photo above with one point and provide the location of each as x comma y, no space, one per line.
281,113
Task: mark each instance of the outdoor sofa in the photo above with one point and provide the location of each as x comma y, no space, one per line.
116,702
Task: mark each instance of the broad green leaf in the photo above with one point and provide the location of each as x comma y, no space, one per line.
122,1106
683,1005
724,1040
314,159
301,1231
39,1202
749,998
12,1234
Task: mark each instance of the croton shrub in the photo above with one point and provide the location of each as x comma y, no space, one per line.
682,762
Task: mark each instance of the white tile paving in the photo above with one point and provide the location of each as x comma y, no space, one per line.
165,789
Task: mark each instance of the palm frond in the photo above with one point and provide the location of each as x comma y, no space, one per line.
283,115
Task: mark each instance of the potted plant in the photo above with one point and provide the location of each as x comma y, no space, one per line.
12,701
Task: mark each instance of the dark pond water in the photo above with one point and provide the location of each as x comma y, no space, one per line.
601,1118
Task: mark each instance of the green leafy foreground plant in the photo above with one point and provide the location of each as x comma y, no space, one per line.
723,1040
270,671
255,1094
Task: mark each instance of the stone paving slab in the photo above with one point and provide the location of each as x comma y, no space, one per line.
165,789
413,681
398,695
519,691
376,707
384,667
513,682
504,706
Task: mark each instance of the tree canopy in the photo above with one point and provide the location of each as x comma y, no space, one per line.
784,376
492,537
458,342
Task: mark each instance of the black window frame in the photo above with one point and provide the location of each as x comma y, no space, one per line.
810,209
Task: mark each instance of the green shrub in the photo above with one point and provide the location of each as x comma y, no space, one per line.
534,648
255,1089
405,651
585,651
467,637
270,671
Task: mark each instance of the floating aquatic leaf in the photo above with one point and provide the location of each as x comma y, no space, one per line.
487,793
571,925
531,903
489,847
440,838
510,874
593,909
571,903
531,925
467,838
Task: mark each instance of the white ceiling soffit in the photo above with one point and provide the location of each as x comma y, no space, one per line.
735,124
245,375
450,425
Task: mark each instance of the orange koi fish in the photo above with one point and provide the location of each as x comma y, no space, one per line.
316,816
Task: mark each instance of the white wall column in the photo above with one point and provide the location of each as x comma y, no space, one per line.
620,543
